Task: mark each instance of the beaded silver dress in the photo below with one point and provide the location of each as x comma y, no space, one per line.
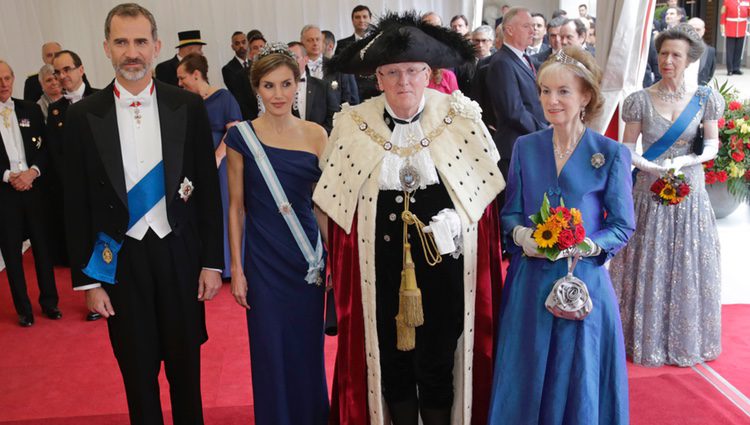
667,279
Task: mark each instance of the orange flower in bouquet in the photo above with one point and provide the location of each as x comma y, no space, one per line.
558,229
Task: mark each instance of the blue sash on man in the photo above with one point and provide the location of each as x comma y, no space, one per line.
142,197
675,131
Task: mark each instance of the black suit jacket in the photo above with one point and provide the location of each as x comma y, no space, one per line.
343,44
95,193
514,98
232,72
167,71
539,58
707,65
55,129
480,93
34,142
320,103
342,86
32,89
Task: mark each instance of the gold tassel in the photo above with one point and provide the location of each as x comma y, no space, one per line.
410,297
405,335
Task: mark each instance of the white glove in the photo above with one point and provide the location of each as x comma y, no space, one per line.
643,164
445,227
710,149
523,237
593,251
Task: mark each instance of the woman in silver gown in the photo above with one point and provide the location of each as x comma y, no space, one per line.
668,278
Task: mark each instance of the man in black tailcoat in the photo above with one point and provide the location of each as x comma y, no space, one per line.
143,219
23,199
189,42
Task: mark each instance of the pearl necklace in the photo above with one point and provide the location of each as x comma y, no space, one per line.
564,154
671,97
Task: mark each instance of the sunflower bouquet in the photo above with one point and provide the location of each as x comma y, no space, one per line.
558,229
671,189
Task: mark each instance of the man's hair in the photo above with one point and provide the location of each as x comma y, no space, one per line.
329,37
512,12
539,15
580,26
462,17
252,33
486,29
256,37
297,44
76,59
558,12
130,10
583,5
556,22
306,28
237,33
359,8
9,67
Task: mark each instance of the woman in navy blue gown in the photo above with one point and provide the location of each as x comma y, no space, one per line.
551,370
284,311
223,113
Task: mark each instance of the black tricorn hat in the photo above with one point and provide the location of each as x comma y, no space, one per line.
187,38
403,38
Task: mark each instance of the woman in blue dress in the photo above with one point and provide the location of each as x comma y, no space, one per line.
551,370
284,309
223,113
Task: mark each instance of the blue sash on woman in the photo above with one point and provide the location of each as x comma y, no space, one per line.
675,131
314,257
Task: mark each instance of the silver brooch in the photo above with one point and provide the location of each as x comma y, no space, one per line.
424,142
363,126
448,120
285,208
334,85
597,160
186,189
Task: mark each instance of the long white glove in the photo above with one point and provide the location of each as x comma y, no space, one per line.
523,237
710,149
445,227
592,252
643,164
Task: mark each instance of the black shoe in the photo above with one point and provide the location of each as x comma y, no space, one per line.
25,320
53,313
93,316
738,72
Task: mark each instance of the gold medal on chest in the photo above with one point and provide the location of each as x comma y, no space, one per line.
107,254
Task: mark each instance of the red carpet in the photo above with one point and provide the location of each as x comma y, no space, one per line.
63,372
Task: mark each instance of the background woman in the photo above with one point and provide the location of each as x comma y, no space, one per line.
223,113
668,278
551,370
443,80
284,312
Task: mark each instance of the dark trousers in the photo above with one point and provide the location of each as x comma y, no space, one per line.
734,53
23,214
429,367
157,318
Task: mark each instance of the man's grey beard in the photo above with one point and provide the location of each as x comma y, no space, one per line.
132,75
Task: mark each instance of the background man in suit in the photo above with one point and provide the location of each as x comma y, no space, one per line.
707,62
342,86
513,91
189,42
555,43
361,20
573,33
483,38
315,101
329,44
540,30
23,197
70,73
143,216
255,42
32,89
235,69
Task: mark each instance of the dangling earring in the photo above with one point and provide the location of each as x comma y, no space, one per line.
583,114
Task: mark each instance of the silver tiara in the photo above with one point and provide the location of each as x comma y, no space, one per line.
561,57
275,47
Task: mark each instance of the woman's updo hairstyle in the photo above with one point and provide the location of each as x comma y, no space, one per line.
584,67
195,62
686,33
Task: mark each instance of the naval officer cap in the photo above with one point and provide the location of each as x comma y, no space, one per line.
403,38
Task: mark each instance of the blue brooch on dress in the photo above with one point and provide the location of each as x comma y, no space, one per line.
597,160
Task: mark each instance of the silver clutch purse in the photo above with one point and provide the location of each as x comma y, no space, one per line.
569,297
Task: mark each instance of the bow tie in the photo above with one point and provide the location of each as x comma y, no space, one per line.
134,101
73,97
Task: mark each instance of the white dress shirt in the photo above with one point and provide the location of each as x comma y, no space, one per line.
77,94
13,141
316,67
520,55
140,144
301,97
